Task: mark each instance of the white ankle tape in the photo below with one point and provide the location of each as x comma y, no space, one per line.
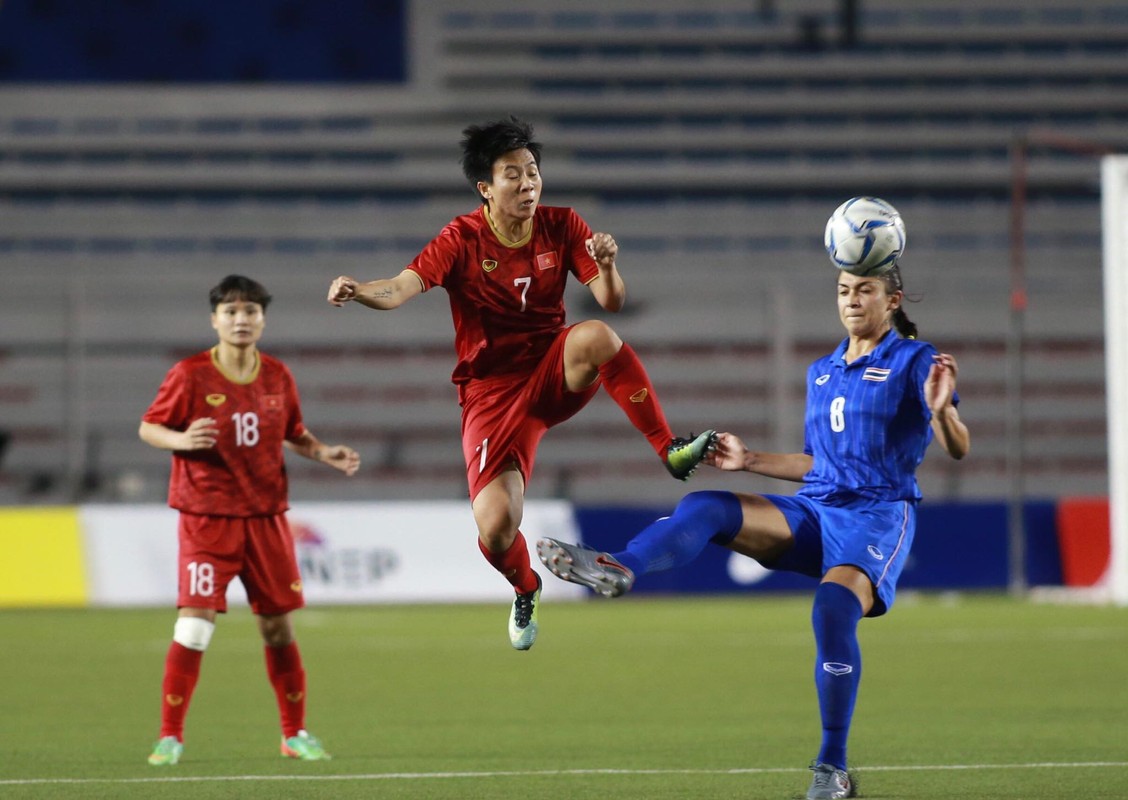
193,632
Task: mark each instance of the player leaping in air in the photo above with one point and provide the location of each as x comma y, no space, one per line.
521,369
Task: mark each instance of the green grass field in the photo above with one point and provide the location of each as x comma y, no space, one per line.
973,697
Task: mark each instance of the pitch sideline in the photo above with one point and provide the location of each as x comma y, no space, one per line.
407,776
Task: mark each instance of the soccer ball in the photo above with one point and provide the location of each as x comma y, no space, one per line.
864,236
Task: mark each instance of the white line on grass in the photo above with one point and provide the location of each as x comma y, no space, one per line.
412,776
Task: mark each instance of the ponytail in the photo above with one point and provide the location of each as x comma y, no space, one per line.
905,326
901,322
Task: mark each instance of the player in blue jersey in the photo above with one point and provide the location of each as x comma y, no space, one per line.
873,406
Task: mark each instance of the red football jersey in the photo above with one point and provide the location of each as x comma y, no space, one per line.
244,475
506,299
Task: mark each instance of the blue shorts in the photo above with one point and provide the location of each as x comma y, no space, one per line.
874,536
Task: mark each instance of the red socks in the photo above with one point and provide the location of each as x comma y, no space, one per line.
284,668
182,670
513,564
625,379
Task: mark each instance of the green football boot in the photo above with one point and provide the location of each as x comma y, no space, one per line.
166,752
304,747
683,455
523,618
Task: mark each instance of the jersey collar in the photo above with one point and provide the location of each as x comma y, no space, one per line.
838,357
249,379
524,240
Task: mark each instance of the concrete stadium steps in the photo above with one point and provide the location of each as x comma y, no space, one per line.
399,410
721,269
711,140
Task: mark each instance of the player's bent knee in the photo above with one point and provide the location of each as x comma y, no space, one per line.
193,633
594,341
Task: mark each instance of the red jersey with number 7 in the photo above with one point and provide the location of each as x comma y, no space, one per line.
506,298
244,474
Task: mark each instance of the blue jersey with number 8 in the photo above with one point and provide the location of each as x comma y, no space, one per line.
867,423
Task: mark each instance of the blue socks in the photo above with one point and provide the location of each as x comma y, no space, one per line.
676,540
838,666
702,517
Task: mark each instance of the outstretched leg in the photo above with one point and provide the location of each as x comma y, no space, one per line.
676,540
593,350
669,542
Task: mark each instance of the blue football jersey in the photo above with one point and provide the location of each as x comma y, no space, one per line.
867,423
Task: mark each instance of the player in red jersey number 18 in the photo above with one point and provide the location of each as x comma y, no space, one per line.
226,414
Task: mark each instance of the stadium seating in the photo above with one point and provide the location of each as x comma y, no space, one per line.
711,139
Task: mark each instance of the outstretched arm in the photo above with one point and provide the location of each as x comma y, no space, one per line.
380,294
338,456
609,290
939,389
731,454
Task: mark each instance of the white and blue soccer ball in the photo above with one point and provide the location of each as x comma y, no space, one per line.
864,236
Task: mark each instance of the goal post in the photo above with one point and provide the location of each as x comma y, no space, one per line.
1114,227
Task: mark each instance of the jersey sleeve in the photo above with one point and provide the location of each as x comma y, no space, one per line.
918,369
295,427
808,450
171,407
580,262
434,263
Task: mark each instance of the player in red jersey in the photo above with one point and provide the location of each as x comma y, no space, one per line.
226,414
521,369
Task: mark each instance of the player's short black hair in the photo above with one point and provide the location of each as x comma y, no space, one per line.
238,287
482,145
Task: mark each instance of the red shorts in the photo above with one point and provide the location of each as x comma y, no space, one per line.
259,550
504,418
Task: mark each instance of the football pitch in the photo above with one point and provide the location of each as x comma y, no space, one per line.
968,697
